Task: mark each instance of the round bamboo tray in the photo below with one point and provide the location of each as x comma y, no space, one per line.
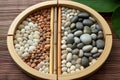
108,41
55,54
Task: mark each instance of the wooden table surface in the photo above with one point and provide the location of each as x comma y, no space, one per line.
9,9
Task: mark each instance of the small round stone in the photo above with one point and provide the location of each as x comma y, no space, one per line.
98,27
64,37
75,57
30,37
67,24
25,54
65,33
63,65
81,68
94,50
78,33
40,64
63,28
86,38
79,25
96,55
70,40
84,61
25,22
70,35
77,70
69,57
31,48
72,67
28,19
22,49
19,39
30,42
92,19
73,62
94,36
76,40
87,54
100,35
100,43
21,43
87,30
36,36
68,64
78,61
69,49
83,15
93,43
80,53
87,48
68,70
27,27
30,24
64,56
64,46
75,51
90,58
77,66
25,35
67,29
36,40
26,45
22,31
64,61
63,41
100,50
74,45
72,13
94,61
80,45
64,69
94,29
17,45
20,26
74,30
72,26
46,69
69,45
87,22
74,19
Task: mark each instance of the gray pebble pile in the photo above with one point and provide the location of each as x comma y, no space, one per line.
82,40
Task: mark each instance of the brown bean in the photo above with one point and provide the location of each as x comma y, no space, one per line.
33,65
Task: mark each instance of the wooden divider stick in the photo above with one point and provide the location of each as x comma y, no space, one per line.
55,39
59,41
51,42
